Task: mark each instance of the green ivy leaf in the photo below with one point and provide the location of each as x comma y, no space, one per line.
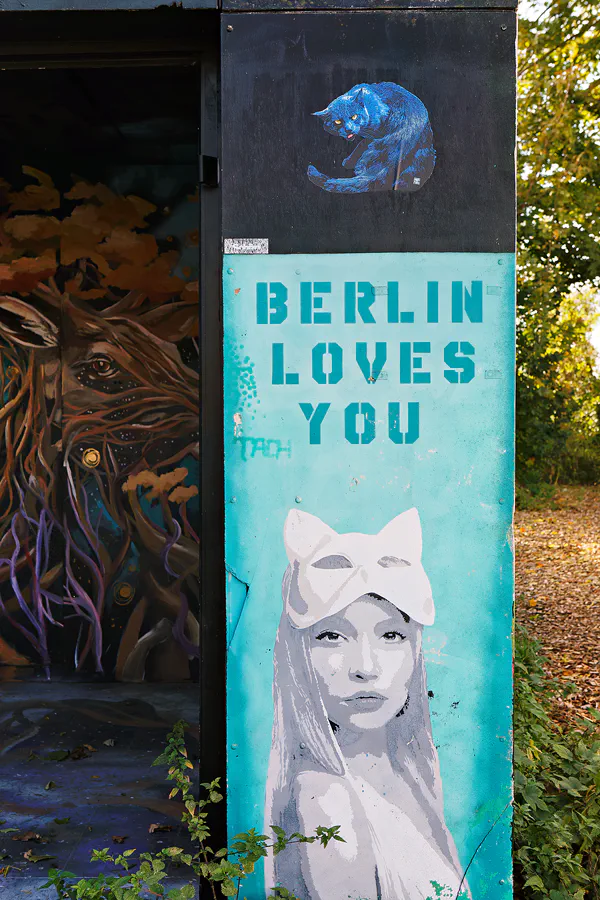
535,882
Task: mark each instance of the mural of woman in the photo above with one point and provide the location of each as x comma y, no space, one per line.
352,743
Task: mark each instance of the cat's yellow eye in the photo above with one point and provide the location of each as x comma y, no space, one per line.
338,122
354,117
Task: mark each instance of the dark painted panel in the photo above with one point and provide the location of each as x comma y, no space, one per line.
45,5
296,5
279,69
57,39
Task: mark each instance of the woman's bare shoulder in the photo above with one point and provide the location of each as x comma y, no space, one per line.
328,800
309,781
322,797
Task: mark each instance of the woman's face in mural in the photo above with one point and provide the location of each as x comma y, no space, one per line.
364,658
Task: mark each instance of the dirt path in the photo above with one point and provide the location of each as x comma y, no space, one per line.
558,589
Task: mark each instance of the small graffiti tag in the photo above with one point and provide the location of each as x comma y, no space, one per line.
271,448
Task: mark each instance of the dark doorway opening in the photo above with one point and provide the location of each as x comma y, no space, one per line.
102,262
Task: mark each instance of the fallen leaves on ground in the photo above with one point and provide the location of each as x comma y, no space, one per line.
558,591
6,869
30,856
83,751
58,755
30,836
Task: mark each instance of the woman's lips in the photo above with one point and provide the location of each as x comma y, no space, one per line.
366,699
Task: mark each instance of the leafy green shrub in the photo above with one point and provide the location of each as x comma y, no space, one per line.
224,870
582,461
557,789
536,495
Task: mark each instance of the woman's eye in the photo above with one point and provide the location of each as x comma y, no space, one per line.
394,637
338,122
329,637
102,366
354,117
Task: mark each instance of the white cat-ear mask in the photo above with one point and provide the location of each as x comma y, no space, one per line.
330,570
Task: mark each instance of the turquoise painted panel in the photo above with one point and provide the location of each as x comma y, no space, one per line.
369,404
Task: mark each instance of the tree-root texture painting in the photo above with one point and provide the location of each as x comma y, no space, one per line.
98,438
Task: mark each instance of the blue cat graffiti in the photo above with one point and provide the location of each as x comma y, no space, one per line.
396,150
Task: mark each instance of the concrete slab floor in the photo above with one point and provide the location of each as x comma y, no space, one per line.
111,791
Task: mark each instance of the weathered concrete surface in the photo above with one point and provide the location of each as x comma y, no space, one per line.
110,791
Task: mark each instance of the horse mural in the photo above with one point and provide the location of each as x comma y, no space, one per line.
99,445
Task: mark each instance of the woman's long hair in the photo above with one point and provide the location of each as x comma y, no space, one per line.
304,737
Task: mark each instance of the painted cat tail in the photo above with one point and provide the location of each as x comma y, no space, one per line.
316,177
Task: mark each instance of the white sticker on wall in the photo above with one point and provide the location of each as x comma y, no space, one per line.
246,245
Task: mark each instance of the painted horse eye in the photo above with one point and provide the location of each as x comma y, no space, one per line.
354,117
337,122
103,366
